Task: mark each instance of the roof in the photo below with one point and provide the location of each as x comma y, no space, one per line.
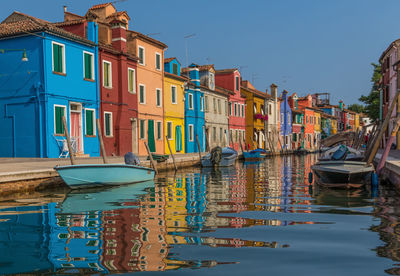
223,90
206,67
100,6
256,92
173,76
134,34
226,71
116,14
19,23
166,60
391,45
69,22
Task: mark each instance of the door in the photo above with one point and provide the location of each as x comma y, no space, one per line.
76,127
134,136
178,138
150,135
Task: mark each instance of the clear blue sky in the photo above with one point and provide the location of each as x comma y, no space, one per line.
301,45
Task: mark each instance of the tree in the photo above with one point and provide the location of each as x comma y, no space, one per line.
359,108
371,101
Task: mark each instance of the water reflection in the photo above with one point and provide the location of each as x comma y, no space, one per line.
179,222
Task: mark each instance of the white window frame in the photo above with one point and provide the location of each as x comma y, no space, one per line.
172,127
144,55
144,93
201,103
83,56
206,103
235,113
111,124
110,73
159,90
190,101
159,135
176,94
159,69
134,80
63,59
94,121
191,132
54,117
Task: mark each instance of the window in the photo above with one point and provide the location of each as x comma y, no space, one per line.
214,134
58,57
255,108
142,94
59,113
90,122
230,108
190,101
141,55
235,113
237,83
226,108
131,80
220,134
201,103
107,80
158,97
173,94
270,109
242,110
169,130
175,69
206,102
108,124
88,66
212,81
262,109
142,129
159,131
215,105
158,61
191,133
219,106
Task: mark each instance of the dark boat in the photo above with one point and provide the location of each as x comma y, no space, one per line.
342,174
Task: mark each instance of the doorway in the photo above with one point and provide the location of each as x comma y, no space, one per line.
76,126
134,127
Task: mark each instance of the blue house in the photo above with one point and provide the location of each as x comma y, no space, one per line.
194,111
286,121
57,76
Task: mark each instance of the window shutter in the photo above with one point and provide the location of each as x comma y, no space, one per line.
59,114
88,66
89,122
107,130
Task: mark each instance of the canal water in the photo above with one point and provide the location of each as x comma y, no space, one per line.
252,218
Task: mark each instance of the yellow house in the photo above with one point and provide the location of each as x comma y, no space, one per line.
174,106
255,115
356,122
334,126
317,127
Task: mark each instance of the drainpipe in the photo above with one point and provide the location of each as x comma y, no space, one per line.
45,115
96,68
37,87
380,104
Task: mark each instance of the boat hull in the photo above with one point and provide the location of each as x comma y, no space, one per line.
83,176
342,174
252,155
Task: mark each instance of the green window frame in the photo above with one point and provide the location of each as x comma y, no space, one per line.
158,97
88,65
237,83
159,131
191,133
59,113
158,61
175,68
89,122
142,129
142,94
107,81
58,58
131,80
108,124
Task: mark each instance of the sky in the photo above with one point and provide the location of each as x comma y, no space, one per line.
303,46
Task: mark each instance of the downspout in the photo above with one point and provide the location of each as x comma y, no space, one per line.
46,128
37,87
12,117
96,68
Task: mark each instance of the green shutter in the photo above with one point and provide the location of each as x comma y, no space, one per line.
178,138
141,129
59,114
130,81
107,119
89,122
158,58
150,133
57,58
106,76
88,66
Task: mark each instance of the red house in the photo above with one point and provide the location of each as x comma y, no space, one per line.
230,79
118,97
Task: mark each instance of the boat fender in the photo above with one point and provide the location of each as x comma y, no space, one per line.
131,159
374,180
310,177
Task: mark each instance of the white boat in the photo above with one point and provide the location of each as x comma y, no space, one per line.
342,174
227,158
95,175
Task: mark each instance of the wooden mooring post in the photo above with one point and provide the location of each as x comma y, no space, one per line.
71,154
99,133
389,143
173,157
198,145
151,158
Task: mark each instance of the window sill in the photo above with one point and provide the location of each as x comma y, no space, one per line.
132,92
90,136
107,87
109,136
91,80
59,73
158,105
61,135
142,103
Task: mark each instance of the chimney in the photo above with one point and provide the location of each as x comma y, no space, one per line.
65,8
118,35
194,75
274,91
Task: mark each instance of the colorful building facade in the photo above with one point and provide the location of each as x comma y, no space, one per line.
286,122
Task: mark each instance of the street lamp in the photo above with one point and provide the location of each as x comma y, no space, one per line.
24,57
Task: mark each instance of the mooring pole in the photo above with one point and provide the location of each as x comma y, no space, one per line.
173,157
99,133
151,158
389,143
71,154
198,145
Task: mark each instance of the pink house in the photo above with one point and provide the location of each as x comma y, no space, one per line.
230,79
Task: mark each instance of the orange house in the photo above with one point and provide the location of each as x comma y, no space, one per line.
309,118
150,83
